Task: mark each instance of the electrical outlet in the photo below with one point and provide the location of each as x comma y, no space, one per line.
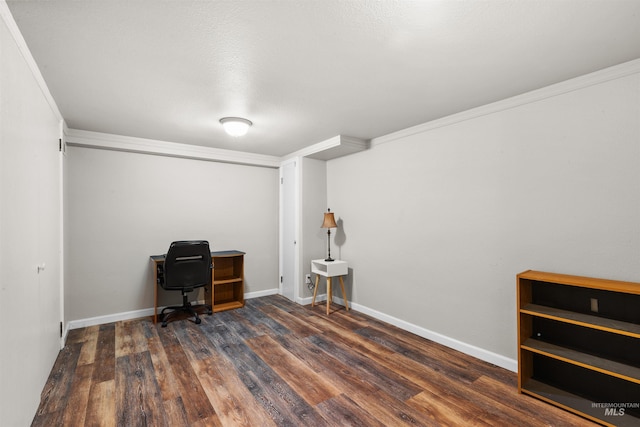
594,305
307,278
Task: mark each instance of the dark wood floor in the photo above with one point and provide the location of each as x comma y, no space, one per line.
277,363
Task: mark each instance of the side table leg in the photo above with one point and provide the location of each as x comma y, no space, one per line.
344,295
315,290
328,294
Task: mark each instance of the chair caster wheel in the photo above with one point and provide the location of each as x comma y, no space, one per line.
209,312
198,321
164,324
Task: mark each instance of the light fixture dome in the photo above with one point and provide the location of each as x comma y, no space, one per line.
235,126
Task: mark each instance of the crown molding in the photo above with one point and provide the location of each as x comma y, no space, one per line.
89,139
587,80
331,148
7,17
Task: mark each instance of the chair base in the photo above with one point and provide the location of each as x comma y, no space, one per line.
186,307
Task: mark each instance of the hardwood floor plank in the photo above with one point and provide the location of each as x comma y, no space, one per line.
342,411
76,407
138,400
425,354
194,398
285,408
469,397
233,402
176,412
162,368
276,363
280,302
336,320
124,339
299,326
75,336
388,360
442,411
212,421
48,419
261,322
238,323
309,385
89,345
467,367
387,381
389,410
55,394
345,379
105,356
268,388
531,409
101,407
140,344
193,342
276,396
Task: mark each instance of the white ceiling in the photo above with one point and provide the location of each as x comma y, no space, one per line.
305,71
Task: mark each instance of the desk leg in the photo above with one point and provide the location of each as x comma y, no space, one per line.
155,293
344,295
208,293
328,294
315,290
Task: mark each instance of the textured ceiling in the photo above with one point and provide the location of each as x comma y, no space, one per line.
306,71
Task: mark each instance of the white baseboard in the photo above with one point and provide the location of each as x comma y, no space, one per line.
109,318
480,353
258,294
319,298
136,314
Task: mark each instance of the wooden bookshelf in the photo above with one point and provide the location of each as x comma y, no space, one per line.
579,345
228,281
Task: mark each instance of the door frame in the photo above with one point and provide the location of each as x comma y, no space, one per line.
297,164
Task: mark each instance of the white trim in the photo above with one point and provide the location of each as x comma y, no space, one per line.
331,148
258,294
315,148
7,17
319,298
145,312
110,318
597,77
61,228
297,194
83,138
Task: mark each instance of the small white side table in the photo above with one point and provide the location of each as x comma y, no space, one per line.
329,269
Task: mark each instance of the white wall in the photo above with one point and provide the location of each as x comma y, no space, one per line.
438,223
29,229
124,207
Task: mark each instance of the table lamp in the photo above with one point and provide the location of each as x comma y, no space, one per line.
329,223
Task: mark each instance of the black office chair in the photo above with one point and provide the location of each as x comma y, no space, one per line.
187,266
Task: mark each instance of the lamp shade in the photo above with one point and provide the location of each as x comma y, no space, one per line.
235,126
329,220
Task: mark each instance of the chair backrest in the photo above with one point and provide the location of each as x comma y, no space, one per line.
187,265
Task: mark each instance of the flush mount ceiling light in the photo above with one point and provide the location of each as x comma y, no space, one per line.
235,126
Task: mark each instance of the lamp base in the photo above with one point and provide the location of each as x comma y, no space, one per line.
329,259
